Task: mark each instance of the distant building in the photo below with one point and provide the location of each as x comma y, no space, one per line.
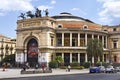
40,40
7,46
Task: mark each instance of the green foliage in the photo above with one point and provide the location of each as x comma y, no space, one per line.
59,59
78,67
102,63
86,64
63,67
74,64
53,64
94,49
10,59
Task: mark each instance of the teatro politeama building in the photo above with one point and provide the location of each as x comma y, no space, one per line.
41,39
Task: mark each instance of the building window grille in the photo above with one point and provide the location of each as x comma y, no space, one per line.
59,39
59,42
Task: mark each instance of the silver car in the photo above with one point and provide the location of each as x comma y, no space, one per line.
110,69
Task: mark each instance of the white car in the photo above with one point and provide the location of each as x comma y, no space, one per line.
110,69
102,69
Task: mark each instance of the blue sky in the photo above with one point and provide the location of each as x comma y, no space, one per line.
104,12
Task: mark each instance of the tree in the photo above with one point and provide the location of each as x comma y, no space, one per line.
94,49
59,60
9,59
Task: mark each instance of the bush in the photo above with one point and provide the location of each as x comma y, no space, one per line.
86,64
53,64
62,67
74,64
77,67
103,64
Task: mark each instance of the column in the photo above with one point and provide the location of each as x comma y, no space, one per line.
25,55
92,36
78,39
62,39
92,60
78,57
70,39
98,37
99,59
103,41
106,41
70,57
85,39
86,59
63,56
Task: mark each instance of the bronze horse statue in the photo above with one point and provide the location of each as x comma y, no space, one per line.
22,15
38,13
29,14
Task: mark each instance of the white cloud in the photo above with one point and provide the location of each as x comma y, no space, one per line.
53,2
78,10
15,5
75,9
44,7
110,11
2,14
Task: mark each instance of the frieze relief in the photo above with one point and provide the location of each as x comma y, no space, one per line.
32,24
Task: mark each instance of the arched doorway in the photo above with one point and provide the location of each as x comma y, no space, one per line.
32,52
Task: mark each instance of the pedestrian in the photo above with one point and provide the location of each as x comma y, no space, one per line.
43,67
27,65
4,66
69,67
36,66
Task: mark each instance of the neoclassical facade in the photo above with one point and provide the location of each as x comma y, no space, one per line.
7,46
40,40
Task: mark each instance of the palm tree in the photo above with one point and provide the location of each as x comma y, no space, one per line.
94,49
59,60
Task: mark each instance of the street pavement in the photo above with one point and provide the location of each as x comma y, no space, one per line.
15,73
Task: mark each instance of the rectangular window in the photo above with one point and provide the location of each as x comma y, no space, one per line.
114,44
74,57
59,39
59,42
74,39
52,42
73,42
66,39
82,40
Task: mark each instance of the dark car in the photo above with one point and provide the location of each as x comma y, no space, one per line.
94,70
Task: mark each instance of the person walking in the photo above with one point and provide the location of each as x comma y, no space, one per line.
69,67
43,67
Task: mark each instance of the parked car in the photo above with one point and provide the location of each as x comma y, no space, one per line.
110,69
117,69
102,69
94,70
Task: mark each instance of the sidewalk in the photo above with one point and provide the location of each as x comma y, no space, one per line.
14,73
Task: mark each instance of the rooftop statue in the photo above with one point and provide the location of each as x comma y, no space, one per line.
46,12
29,14
22,15
38,12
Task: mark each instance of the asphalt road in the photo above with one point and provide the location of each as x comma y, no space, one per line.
94,76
